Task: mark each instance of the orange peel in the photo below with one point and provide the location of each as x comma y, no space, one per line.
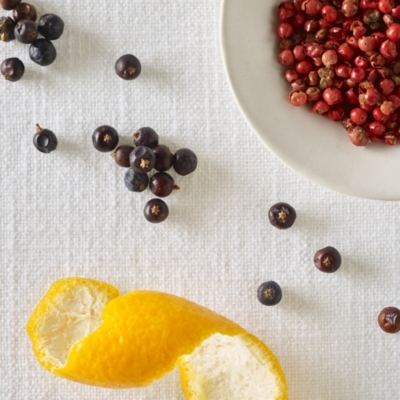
84,331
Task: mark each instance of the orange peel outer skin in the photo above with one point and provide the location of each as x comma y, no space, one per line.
142,336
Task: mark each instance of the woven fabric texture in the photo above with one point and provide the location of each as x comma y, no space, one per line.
69,213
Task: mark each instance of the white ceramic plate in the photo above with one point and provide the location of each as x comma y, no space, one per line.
312,145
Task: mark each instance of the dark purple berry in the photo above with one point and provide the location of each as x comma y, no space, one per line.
156,211
128,67
24,11
105,138
269,293
136,182
146,137
282,215
26,31
164,158
51,26
328,259
12,69
42,52
9,4
185,162
162,184
7,26
45,140
389,319
121,155
142,159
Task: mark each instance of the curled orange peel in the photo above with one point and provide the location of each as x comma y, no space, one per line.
84,331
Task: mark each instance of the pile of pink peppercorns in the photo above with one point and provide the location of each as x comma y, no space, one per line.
343,59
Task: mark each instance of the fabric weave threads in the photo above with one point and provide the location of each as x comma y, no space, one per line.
69,213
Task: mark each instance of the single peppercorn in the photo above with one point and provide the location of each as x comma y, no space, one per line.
42,52
269,293
142,159
51,26
389,320
26,31
328,259
162,184
45,140
164,158
24,11
12,69
282,215
105,138
156,211
185,162
128,67
7,26
9,4
121,155
146,137
136,182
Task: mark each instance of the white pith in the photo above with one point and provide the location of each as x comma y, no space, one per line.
230,368
73,316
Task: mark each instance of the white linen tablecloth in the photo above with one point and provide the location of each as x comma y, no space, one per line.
69,213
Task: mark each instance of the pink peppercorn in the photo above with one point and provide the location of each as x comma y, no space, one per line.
358,116
361,62
345,52
396,12
336,113
379,115
311,7
304,67
372,96
299,52
286,11
313,94
298,20
352,42
349,8
358,136
387,86
350,97
313,78
388,49
343,71
386,6
394,100
314,50
321,107
286,58
329,58
298,85
393,33
376,128
285,30
297,98
311,26
329,13
391,138
366,43
357,75
291,75
359,29
365,4
332,96
387,108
